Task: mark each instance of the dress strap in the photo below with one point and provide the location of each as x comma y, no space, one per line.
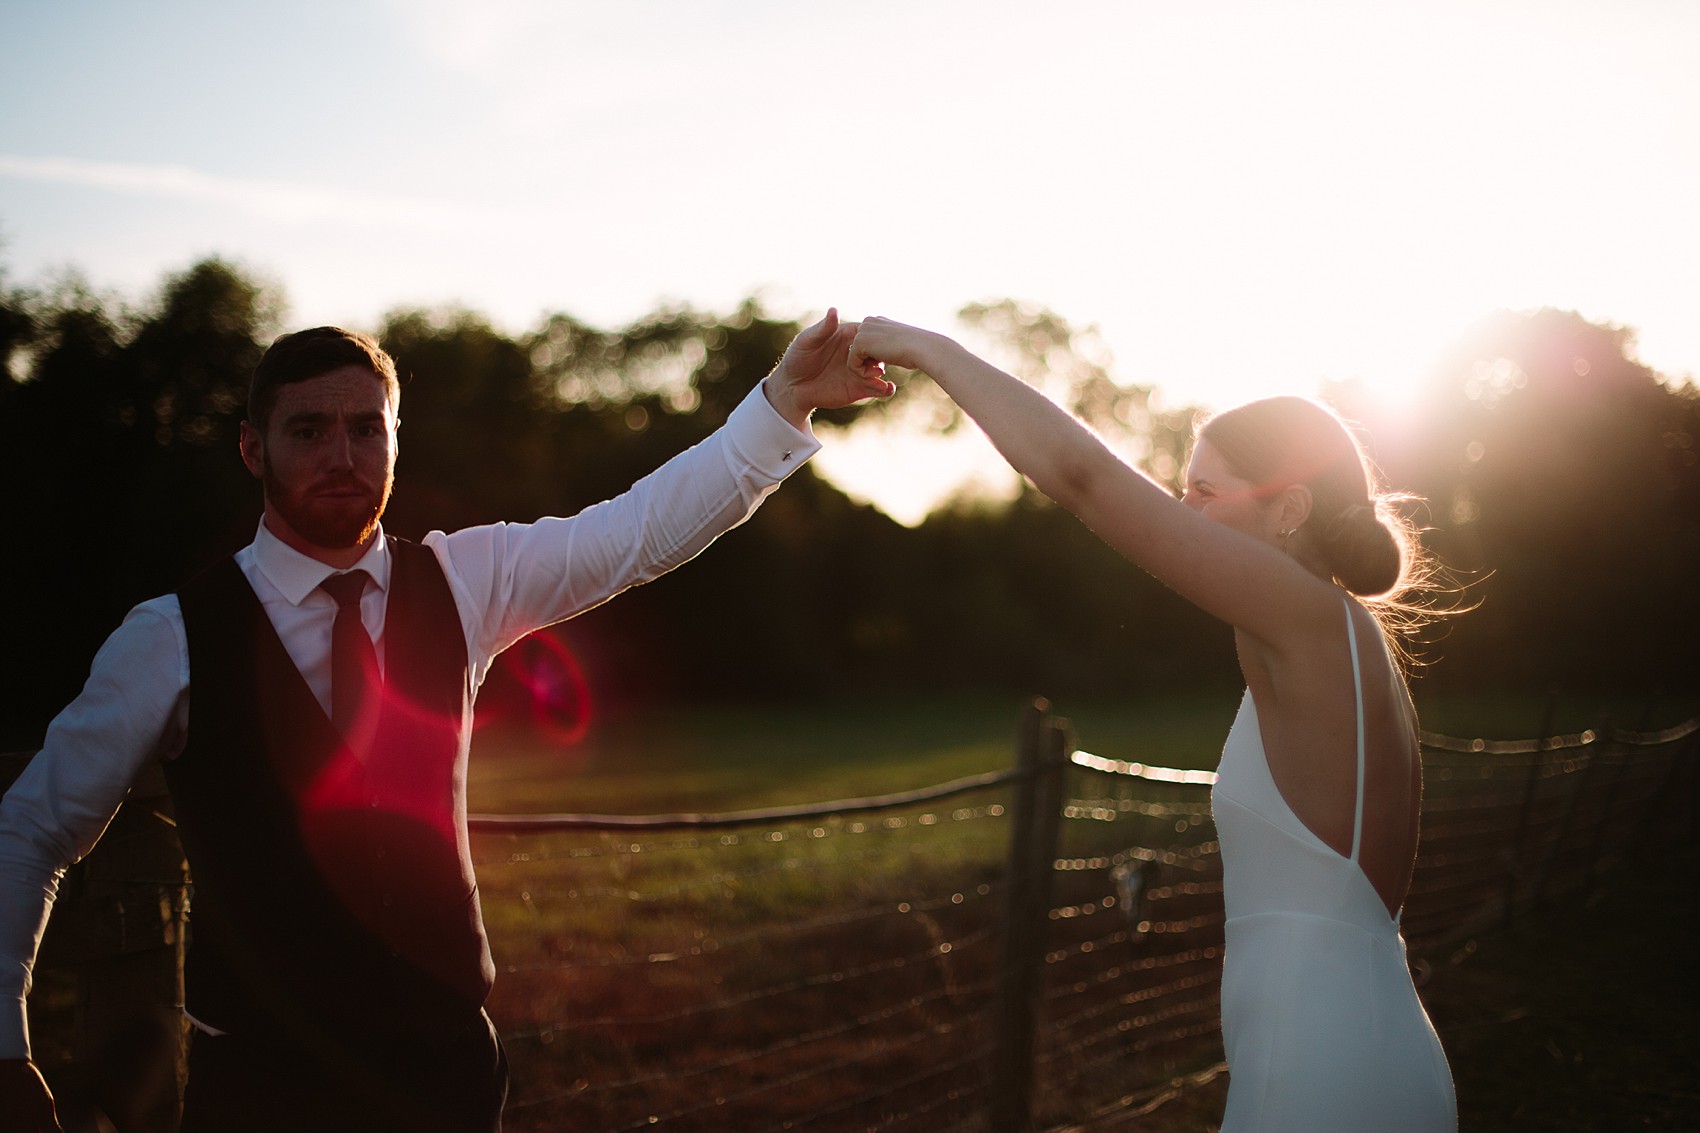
1358,689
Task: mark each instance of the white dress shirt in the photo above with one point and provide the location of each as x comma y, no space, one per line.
508,579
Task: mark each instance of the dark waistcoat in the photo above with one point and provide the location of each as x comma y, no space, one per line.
331,891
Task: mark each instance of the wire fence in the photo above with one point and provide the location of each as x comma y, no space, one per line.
1036,948
981,956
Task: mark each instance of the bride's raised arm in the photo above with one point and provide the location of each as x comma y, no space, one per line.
1237,573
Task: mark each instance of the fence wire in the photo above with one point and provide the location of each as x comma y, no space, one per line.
839,968
848,966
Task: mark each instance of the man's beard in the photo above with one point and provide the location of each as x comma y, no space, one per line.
328,523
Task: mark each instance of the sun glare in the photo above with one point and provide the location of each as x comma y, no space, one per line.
907,474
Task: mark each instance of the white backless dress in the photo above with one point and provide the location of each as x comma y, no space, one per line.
1320,1019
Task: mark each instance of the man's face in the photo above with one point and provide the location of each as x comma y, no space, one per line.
327,460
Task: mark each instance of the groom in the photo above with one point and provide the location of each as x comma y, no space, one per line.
339,964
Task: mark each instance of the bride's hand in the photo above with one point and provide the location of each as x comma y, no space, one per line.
879,339
817,373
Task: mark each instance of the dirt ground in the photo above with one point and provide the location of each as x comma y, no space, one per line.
1585,1016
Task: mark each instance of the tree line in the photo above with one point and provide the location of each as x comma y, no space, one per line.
1562,478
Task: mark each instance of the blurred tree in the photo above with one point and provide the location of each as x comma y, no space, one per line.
773,589
17,332
186,369
1557,467
1561,474
59,442
474,435
118,457
1073,367
1094,624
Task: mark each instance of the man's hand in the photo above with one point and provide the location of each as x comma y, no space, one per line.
26,1104
816,373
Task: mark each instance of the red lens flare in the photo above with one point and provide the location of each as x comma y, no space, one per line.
556,690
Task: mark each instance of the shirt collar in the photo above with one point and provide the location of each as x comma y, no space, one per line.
296,575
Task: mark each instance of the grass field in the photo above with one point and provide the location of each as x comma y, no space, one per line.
1579,1017
575,913
737,758
706,759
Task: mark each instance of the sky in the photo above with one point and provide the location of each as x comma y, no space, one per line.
1242,197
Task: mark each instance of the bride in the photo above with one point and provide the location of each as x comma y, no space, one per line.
1281,533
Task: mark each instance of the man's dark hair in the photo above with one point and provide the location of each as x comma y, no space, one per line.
307,354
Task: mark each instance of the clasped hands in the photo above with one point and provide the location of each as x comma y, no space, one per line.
833,364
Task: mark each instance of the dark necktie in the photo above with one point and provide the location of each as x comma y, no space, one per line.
354,661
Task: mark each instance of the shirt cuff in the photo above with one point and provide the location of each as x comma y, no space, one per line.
768,442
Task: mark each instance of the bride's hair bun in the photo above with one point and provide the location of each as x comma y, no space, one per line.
1364,553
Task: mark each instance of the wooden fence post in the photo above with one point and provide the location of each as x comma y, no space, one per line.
1582,787
1603,824
118,929
130,1026
1514,868
1041,759
1669,794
